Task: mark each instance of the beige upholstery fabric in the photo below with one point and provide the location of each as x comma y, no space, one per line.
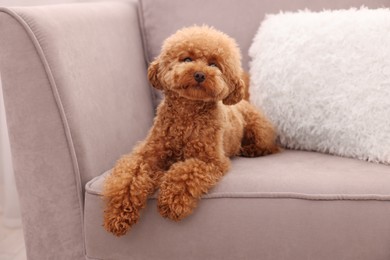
241,229
294,205
42,162
76,98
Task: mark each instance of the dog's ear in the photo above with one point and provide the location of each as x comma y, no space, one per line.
153,74
237,94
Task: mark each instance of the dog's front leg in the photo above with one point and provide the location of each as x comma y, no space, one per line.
184,184
133,179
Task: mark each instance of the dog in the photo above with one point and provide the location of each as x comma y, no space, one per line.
201,122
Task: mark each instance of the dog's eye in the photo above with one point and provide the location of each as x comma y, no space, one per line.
213,65
188,59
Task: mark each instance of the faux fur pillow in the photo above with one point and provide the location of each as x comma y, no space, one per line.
324,80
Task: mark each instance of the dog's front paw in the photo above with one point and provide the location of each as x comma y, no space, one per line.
175,202
119,221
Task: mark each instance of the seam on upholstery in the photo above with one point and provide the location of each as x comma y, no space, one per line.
92,258
144,40
143,34
267,195
285,195
295,195
39,50
141,21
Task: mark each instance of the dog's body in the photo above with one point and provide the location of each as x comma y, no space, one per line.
201,122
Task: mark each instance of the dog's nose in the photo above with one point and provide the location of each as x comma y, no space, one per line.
199,76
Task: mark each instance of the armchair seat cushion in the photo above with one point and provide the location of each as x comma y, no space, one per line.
288,201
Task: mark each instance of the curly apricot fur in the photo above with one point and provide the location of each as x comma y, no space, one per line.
198,126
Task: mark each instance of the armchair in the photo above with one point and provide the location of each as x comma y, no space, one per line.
77,98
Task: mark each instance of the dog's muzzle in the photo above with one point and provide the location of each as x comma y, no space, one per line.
199,76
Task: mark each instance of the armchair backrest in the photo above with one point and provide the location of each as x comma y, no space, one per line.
239,19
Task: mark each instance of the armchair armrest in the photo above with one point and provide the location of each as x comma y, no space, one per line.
76,98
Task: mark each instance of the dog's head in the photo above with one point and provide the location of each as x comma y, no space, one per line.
199,63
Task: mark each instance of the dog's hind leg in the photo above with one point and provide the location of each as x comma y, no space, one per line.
259,136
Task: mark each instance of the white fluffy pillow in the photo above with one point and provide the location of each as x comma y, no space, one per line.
324,80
